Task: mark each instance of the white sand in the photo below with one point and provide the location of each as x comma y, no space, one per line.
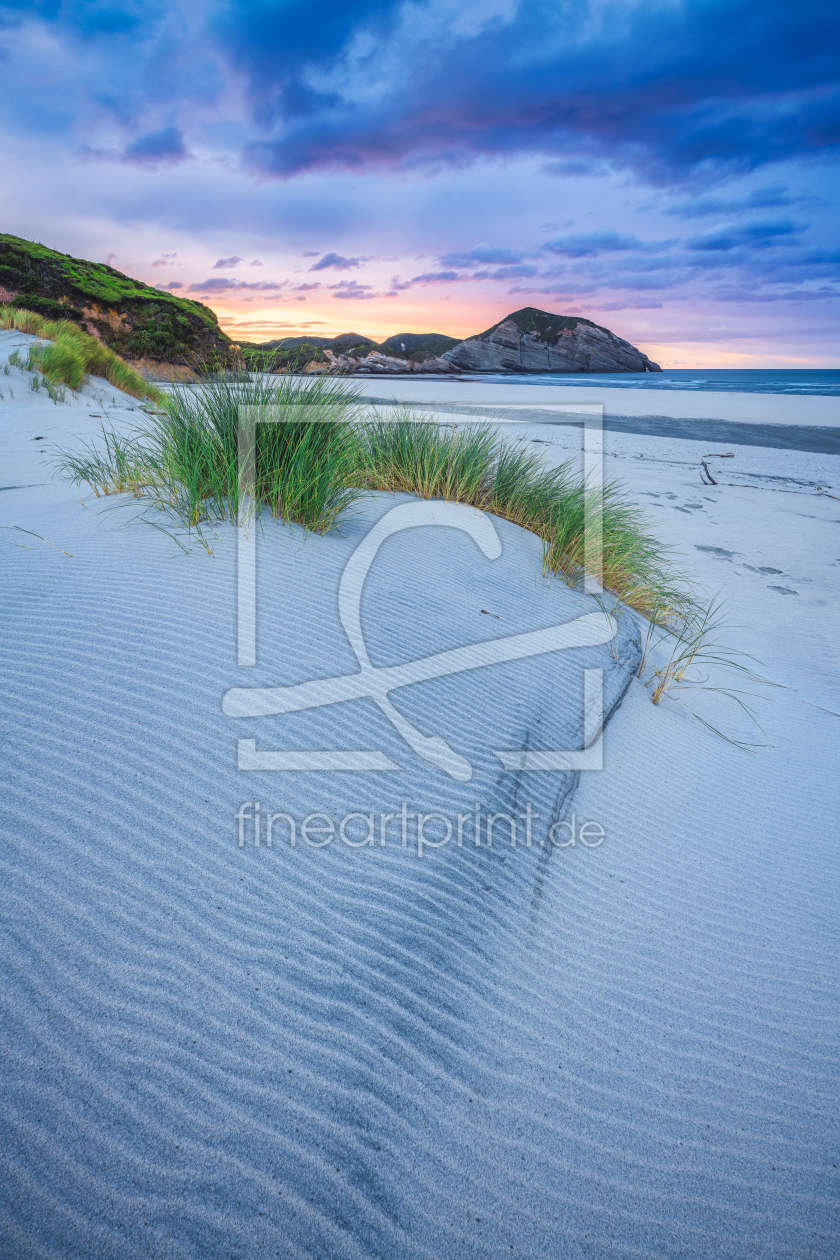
243,1052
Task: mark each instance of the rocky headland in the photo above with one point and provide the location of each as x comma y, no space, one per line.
528,340
537,341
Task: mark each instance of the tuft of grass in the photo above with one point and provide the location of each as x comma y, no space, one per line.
471,464
65,355
700,642
184,460
118,466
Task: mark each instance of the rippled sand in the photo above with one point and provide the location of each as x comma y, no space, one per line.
238,1051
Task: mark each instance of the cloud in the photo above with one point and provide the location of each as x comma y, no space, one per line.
657,89
641,304
173,284
338,261
482,254
224,263
351,290
589,245
758,234
522,271
772,196
220,285
437,277
166,145
670,89
576,166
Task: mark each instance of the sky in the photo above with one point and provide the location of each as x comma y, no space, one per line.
667,168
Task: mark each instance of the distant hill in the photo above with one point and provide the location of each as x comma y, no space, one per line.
307,339
526,341
541,323
350,351
532,341
136,320
413,343
401,344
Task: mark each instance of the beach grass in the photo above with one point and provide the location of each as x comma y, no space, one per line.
302,461
183,460
472,464
331,447
64,354
701,643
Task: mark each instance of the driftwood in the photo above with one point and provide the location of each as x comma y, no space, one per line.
713,455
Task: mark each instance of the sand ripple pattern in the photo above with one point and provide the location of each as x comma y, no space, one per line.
247,1052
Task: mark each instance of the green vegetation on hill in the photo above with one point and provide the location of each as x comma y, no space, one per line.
419,346
546,325
273,358
289,351
134,319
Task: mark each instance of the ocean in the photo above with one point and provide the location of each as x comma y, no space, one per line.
809,381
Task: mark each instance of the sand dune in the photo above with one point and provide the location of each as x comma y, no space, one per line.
242,1051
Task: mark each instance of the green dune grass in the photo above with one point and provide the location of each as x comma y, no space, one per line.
65,355
332,446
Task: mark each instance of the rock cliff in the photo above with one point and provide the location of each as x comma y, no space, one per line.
537,341
379,364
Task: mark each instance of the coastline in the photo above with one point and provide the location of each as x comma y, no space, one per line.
736,408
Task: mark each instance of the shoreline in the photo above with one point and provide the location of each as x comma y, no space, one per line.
816,411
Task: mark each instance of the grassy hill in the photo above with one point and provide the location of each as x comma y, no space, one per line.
418,345
295,351
543,323
132,318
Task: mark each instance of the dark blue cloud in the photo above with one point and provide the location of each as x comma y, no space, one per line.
706,84
166,145
758,234
772,197
590,244
337,261
222,264
703,87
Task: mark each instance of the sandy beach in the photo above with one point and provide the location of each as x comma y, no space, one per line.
215,1048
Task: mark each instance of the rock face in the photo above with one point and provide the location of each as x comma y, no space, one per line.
537,341
378,364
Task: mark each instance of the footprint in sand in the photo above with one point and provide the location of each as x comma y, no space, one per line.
720,552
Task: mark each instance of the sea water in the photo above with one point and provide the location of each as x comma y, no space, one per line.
825,381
